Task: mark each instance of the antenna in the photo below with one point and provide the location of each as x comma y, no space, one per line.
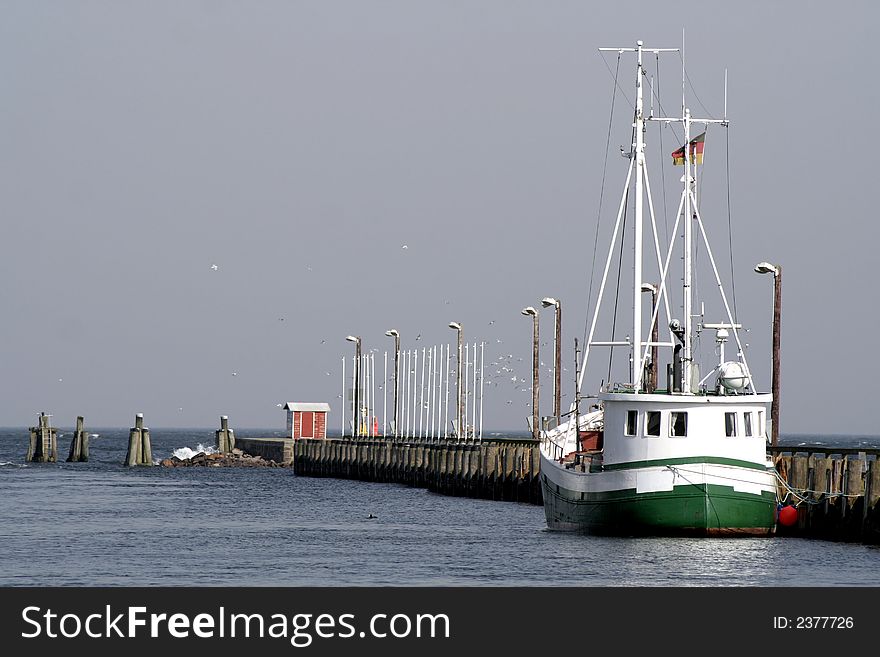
725,94
682,72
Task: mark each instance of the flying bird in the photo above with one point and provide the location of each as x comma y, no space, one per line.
214,267
404,247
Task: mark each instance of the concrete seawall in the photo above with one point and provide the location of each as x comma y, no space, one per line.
279,450
498,469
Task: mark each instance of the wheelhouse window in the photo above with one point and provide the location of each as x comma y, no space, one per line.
678,423
747,424
652,423
632,418
762,430
730,425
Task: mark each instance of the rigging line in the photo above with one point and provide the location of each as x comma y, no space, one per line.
662,167
699,174
601,198
620,257
693,89
617,86
730,227
617,291
660,107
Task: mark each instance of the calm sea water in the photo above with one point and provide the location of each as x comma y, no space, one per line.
100,523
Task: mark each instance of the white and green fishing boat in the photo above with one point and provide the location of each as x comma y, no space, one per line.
687,459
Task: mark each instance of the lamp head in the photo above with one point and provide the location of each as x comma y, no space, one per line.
766,268
455,325
352,338
392,333
649,287
529,310
549,301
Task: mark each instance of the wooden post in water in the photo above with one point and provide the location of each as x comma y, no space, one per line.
225,436
32,445
147,447
79,445
43,444
140,451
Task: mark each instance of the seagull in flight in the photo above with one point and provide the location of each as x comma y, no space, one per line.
214,267
404,247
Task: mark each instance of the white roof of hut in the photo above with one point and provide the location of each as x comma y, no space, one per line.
307,406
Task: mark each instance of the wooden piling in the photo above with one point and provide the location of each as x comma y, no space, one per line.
140,451
79,444
837,491
43,442
32,446
225,436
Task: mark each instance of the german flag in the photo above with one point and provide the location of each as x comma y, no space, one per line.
696,151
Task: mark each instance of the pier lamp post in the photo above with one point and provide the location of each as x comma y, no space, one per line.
392,333
652,378
460,410
357,383
557,349
776,270
528,310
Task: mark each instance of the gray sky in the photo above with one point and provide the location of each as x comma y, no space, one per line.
299,145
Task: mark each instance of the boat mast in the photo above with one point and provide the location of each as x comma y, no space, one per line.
637,161
687,355
639,154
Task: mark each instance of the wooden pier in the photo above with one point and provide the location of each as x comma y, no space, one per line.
496,469
834,490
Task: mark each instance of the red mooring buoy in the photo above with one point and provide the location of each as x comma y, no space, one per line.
788,515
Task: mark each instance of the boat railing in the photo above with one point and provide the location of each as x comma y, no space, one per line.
554,449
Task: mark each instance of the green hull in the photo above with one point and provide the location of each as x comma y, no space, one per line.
692,510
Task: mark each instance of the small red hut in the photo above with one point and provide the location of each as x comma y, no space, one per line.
307,419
